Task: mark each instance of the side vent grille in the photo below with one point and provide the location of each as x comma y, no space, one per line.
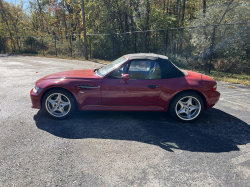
87,86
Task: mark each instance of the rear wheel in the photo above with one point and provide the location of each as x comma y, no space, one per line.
59,104
186,107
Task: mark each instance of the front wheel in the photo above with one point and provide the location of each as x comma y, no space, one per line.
59,104
186,107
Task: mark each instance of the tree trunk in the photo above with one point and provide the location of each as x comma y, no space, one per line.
144,42
213,36
183,12
177,7
182,22
164,6
84,30
64,18
204,29
168,7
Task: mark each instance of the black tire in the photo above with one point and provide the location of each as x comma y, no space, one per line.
177,103
66,97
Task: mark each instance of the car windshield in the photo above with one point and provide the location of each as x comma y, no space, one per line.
113,65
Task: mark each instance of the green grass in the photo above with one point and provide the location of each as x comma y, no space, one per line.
229,77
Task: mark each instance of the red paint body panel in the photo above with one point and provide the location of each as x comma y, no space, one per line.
111,94
207,78
35,100
70,80
87,96
212,97
74,74
131,93
194,74
193,81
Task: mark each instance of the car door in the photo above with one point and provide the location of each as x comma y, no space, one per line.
142,89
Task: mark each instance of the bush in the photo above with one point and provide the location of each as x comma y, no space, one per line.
232,65
183,62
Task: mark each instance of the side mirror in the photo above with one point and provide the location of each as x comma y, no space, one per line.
125,78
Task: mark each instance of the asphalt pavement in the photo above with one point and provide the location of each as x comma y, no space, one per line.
117,148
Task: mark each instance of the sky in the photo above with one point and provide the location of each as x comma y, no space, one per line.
25,2
15,1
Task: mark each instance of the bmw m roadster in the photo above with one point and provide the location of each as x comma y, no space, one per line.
133,82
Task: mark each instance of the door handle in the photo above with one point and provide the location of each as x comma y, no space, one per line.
153,86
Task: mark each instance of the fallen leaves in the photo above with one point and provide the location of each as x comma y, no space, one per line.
232,87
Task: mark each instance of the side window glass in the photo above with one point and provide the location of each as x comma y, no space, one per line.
144,69
119,72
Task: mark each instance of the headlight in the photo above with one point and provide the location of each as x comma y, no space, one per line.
35,90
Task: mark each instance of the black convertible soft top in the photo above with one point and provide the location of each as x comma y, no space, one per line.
168,69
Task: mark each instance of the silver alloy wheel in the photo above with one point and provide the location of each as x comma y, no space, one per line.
188,108
58,105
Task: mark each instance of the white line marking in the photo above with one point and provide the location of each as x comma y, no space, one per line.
237,95
241,158
232,92
234,103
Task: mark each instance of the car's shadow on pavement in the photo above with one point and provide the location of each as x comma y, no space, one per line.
214,131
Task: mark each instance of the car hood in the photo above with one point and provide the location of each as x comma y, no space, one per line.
74,74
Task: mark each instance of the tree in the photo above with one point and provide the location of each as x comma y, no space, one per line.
219,12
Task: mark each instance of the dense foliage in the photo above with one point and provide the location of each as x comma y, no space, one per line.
56,28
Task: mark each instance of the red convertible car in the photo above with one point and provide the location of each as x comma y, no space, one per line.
134,82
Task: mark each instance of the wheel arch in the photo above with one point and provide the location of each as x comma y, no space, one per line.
194,91
56,88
